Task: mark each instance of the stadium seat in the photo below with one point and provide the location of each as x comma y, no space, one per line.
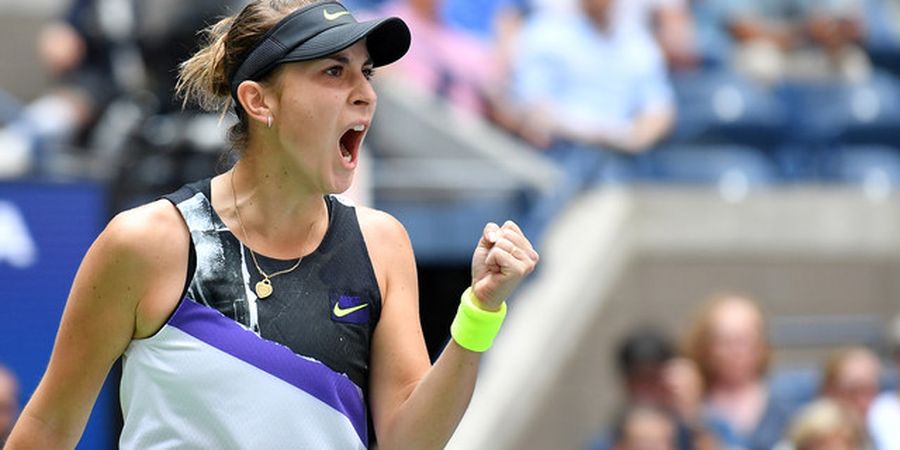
711,164
872,166
875,112
886,58
841,113
719,106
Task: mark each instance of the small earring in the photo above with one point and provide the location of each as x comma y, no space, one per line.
269,121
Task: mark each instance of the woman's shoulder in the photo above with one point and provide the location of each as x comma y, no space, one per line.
388,245
380,225
151,231
159,218
141,258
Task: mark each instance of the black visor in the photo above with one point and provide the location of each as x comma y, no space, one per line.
318,30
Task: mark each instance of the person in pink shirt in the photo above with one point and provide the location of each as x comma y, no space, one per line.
444,60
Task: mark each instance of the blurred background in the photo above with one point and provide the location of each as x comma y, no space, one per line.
713,186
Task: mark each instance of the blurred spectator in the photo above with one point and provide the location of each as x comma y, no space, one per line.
645,428
642,358
795,39
669,21
568,89
825,425
729,343
443,60
99,51
9,402
884,415
852,378
590,90
654,377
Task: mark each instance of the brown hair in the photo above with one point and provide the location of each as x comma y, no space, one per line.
204,78
697,340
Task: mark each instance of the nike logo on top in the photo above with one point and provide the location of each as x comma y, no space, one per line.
334,16
341,312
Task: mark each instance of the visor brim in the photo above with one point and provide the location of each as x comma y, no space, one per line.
386,39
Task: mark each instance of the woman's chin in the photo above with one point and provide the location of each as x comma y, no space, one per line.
340,185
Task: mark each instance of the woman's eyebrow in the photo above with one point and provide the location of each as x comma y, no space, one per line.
341,58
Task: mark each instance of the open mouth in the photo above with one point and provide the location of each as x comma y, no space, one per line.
350,142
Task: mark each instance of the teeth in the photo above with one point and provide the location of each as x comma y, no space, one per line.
359,128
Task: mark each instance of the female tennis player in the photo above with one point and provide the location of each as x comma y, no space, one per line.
255,310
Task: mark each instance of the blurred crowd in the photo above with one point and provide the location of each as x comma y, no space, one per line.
733,93
110,112
718,390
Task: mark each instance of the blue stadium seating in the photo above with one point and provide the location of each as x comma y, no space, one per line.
712,164
719,106
842,113
865,165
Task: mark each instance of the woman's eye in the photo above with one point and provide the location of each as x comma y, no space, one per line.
368,72
335,71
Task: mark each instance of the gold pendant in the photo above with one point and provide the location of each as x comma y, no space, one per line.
264,288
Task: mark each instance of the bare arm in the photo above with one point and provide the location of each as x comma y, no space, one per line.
644,132
414,405
649,128
98,322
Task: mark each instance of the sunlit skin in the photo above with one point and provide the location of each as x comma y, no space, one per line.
647,430
857,382
735,344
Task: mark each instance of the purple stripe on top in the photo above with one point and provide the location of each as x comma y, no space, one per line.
313,377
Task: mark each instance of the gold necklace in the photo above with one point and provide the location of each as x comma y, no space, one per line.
264,287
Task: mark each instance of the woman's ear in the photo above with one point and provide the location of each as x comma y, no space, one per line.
255,102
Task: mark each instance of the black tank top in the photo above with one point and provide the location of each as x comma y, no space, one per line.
326,309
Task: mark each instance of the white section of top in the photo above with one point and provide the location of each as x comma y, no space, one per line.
204,243
251,296
180,392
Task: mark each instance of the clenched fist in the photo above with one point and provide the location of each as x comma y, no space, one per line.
502,259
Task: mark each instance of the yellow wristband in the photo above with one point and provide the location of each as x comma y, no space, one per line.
474,328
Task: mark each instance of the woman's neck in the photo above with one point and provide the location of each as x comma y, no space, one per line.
283,217
741,404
